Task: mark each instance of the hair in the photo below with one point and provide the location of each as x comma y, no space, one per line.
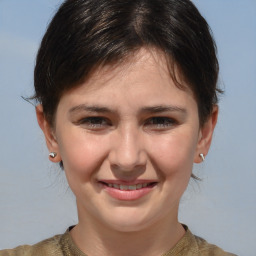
86,34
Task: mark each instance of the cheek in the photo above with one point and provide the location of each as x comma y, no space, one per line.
174,155
81,155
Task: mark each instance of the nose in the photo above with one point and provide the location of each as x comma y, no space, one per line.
127,152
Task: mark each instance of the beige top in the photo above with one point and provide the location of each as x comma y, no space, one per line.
63,245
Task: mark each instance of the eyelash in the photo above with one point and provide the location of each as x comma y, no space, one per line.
95,122
160,122
154,123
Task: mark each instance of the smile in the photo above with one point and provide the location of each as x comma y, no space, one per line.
128,192
129,187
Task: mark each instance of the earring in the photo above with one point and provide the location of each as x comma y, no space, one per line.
202,156
53,154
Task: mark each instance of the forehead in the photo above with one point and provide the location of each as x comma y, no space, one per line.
141,81
149,61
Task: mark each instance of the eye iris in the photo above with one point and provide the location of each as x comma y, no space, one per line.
161,121
96,120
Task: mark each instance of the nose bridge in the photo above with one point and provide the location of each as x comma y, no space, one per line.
128,151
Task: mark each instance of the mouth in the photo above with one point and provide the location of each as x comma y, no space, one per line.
128,191
130,187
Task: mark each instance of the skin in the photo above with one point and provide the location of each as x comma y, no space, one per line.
128,124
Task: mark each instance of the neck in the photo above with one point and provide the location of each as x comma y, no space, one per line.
98,240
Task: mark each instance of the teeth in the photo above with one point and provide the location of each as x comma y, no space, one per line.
128,187
138,186
132,187
123,187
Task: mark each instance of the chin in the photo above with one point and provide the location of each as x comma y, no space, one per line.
129,226
130,220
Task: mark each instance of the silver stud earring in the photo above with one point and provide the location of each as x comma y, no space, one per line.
53,154
202,156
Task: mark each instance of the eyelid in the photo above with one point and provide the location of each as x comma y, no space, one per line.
161,122
102,122
94,122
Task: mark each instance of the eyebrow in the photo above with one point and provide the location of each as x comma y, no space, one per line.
150,109
92,108
163,108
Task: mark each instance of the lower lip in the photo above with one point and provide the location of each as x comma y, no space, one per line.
127,195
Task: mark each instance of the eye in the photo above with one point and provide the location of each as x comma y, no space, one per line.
160,122
95,123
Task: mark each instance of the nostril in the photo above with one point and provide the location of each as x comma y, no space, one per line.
127,161
128,169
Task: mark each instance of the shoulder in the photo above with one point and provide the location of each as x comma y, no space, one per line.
191,245
49,247
203,248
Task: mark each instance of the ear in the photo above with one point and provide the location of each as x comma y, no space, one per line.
205,135
48,131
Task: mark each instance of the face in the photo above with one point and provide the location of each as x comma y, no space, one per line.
128,138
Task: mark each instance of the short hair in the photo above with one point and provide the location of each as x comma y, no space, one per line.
86,34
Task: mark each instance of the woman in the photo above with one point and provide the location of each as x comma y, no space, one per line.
127,103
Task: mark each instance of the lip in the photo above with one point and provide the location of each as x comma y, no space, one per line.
126,190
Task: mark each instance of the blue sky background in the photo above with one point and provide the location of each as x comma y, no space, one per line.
35,201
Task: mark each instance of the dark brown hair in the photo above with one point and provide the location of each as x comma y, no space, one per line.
86,34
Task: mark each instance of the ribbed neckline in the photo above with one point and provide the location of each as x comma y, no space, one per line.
187,241
69,248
